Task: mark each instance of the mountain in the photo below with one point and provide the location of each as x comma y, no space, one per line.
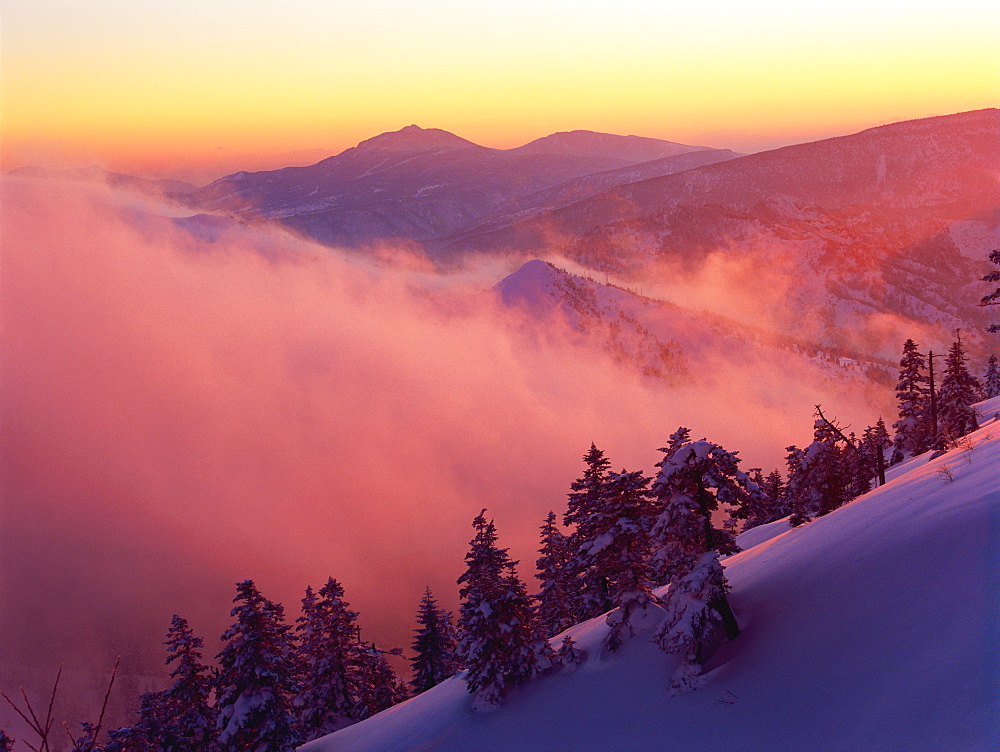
871,628
891,223
664,340
586,186
415,184
631,149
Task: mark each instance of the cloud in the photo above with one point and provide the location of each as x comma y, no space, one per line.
181,414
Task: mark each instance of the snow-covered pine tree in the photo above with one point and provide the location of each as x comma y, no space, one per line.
496,626
875,442
378,686
960,390
554,603
821,476
692,624
433,647
147,733
256,681
765,503
991,379
568,654
992,298
329,654
586,518
913,429
183,717
622,554
695,478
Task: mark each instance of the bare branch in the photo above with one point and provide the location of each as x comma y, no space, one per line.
52,700
836,430
104,705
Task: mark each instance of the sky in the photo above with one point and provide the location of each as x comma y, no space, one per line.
157,86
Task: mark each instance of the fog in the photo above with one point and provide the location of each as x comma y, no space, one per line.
178,415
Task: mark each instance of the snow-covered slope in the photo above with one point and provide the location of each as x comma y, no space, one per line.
890,224
663,339
873,628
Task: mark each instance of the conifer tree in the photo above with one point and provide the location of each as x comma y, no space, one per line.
821,476
875,441
496,625
585,516
181,713
6,743
766,502
913,429
554,603
330,653
959,392
147,733
622,554
695,478
776,494
991,380
378,687
256,681
993,298
433,647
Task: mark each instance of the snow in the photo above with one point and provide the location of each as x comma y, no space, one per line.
872,628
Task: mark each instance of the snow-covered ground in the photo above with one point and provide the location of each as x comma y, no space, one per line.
876,627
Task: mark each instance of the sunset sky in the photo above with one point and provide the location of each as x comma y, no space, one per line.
158,85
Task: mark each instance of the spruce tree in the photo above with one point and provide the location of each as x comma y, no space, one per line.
256,681
766,502
959,392
586,517
991,379
378,687
433,647
496,625
993,298
554,603
147,733
913,428
622,555
6,743
822,476
329,654
875,441
180,717
695,478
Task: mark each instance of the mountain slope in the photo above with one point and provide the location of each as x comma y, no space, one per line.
414,184
891,224
662,339
948,162
872,628
631,149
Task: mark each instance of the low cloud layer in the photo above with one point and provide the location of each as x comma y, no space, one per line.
181,414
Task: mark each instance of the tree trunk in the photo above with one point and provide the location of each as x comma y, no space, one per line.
721,604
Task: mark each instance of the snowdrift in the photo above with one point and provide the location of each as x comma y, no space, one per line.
873,628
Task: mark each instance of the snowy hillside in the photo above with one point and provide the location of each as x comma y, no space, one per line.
659,338
888,225
873,628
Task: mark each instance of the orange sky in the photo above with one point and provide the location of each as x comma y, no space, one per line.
157,86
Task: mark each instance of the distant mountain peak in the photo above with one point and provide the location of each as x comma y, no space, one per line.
632,149
415,138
